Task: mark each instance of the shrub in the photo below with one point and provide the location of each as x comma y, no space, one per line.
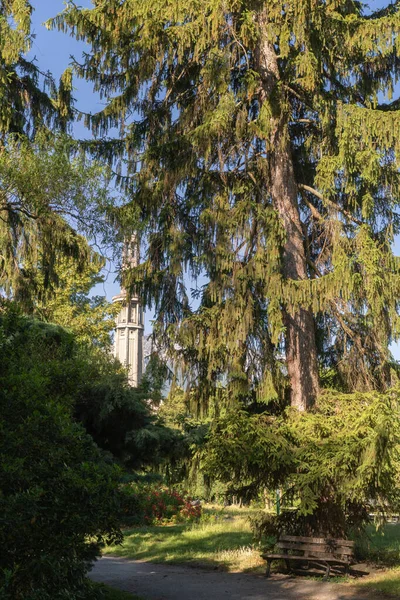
190,512
58,495
58,502
340,461
149,504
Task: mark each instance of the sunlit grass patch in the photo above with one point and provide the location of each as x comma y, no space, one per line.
223,539
387,582
224,542
245,559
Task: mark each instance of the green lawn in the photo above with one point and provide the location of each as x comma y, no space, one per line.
381,547
387,582
225,543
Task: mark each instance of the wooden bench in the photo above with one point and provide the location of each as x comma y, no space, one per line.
323,553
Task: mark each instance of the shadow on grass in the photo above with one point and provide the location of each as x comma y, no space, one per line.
386,584
181,544
380,547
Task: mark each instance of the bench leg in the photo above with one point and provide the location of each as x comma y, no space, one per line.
287,563
268,569
327,572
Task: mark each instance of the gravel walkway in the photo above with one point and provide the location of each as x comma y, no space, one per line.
165,582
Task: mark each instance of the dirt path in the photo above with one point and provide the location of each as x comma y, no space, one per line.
164,582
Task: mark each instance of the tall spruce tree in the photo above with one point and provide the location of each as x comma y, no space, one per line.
28,97
261,149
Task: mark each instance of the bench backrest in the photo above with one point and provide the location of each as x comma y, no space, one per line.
317,547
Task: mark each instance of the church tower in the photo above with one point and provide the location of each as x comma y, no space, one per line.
128,343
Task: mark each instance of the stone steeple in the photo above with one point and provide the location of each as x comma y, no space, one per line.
128,343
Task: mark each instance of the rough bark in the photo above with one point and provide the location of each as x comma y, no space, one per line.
300,342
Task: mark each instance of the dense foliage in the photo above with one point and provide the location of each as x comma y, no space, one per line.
340,462
58,493
50,199
120,418
71,303
28,98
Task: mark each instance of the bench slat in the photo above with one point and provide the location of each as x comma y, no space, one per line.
329,558
326,541
320,554
315,548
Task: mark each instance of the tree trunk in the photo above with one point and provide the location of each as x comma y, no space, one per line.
301,351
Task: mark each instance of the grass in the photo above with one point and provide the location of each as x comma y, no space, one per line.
387,582
224,542
381,547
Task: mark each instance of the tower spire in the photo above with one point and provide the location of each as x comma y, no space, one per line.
128,343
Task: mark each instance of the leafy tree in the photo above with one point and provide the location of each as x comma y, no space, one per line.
269,164
121,419
50,196
71,305
58,493
61,402
50,199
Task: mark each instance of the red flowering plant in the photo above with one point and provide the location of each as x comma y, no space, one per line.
150,504
190,511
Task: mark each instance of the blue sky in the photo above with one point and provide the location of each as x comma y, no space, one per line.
53,50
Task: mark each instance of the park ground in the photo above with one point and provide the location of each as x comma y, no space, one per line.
220,552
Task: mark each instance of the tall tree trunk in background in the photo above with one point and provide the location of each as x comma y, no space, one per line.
301,351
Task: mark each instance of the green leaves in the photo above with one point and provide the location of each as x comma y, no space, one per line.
50,198
203,136
58,493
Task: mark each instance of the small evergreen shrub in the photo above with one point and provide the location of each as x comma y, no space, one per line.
340,461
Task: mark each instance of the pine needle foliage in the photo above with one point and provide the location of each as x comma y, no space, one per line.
29,98
254,142
340,461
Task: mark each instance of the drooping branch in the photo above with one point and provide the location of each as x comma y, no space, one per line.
325,200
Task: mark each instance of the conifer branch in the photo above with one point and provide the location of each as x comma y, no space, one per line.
314,211
325,200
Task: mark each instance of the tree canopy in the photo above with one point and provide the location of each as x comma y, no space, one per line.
53,204
257,150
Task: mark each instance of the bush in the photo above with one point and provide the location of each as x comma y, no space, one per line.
58,502
149,504
58,495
